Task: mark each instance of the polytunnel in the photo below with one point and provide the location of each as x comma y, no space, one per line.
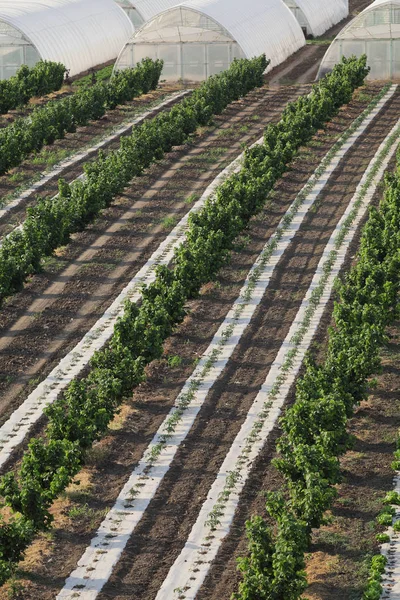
374,32
81,34
317,16
199,38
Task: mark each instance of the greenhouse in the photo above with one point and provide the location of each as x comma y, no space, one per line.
375,32
317,16
199,38
81,34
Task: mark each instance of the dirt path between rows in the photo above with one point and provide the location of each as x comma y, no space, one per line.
223,578
58,306
303,66
163,531
338,561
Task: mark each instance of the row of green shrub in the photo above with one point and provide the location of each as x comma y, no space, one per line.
315,428
51,221
53,120
82,414
45,77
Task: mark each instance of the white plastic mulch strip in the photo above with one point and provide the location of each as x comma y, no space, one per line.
391,578
216,515
96,564
69,162
14,431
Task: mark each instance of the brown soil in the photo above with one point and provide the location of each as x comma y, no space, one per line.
9,117
67,89
163,530
58,306
339,558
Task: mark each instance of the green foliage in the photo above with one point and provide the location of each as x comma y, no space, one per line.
51,121
103,74
15,535
82,414
275,566
43,78
374,590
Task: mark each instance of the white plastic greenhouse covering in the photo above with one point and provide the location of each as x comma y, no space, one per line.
375,32
317,16
78,33
131,10
199,38
148,9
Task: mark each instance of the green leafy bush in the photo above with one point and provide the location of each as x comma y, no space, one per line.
51,221
43,78
51,121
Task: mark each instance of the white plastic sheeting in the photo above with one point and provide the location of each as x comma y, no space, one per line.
317,16
374,32
130,9
78,33
198,38
150,8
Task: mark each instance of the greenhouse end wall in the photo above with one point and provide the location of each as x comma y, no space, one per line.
186,62
192,45
383,57
374,32
15,50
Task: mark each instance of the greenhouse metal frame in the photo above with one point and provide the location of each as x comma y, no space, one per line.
317,16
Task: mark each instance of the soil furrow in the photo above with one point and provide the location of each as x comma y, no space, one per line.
223,577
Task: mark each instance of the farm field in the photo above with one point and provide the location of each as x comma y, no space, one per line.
158,505
249,364
31,170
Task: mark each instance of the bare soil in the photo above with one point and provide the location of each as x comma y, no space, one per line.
303,66
339,558
161,534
